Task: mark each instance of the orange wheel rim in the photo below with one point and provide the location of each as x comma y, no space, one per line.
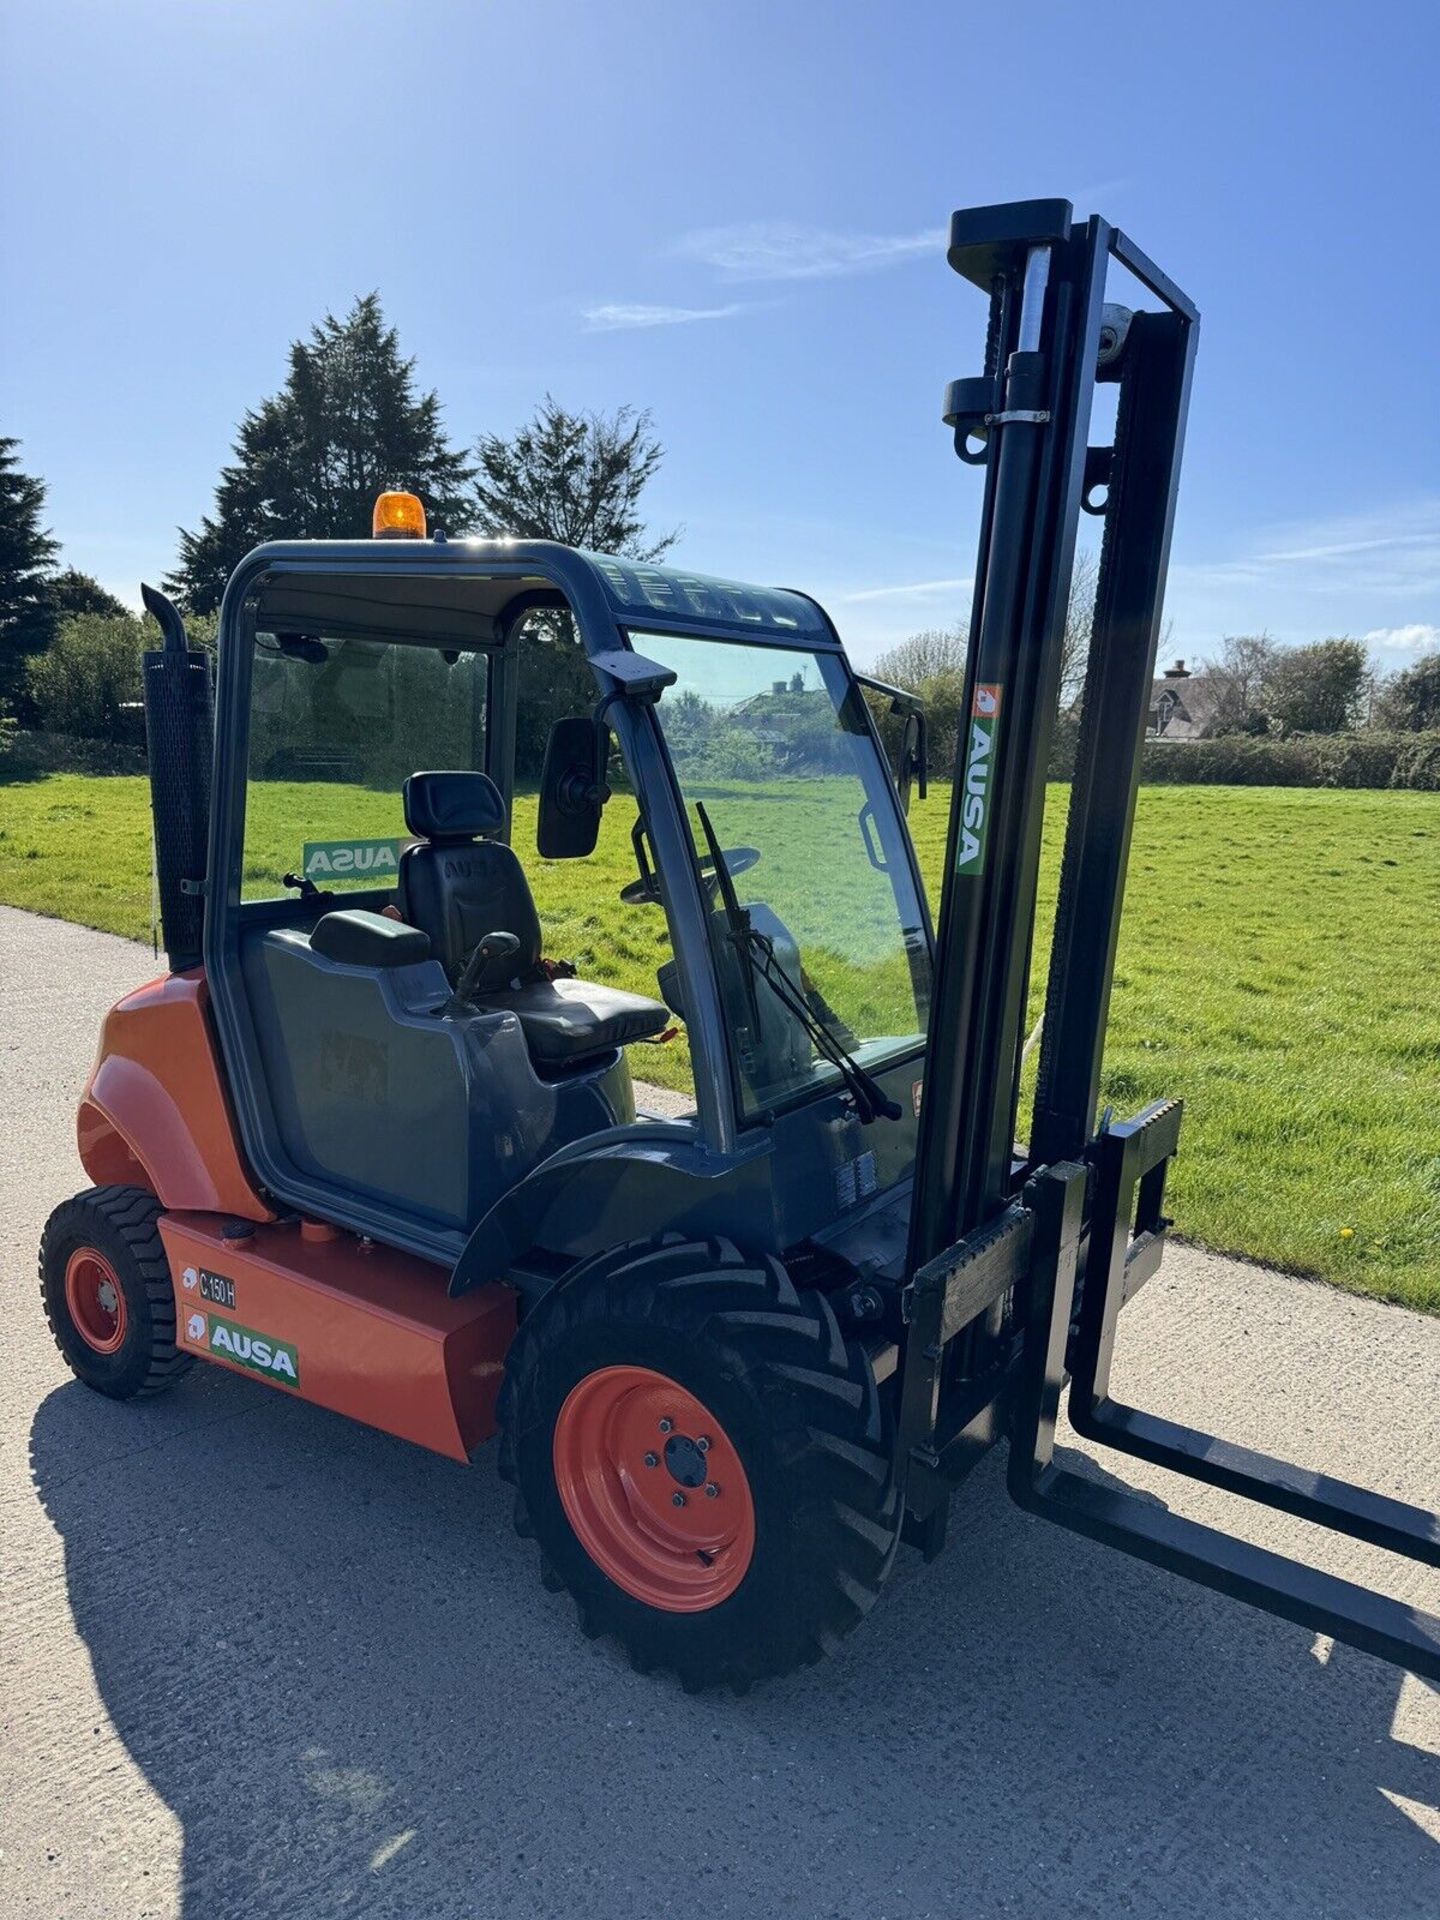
96,1300
654,1489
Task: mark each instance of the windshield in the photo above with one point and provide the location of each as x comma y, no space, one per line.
774,745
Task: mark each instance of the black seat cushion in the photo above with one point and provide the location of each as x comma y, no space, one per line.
461,890
565,1020
458,886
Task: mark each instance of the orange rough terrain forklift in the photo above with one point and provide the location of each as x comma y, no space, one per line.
367,1143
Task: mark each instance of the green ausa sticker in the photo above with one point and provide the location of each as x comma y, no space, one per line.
273,1359
979,777
346,859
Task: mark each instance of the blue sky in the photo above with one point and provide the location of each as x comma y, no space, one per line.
732,213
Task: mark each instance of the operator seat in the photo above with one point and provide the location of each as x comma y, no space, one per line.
461,883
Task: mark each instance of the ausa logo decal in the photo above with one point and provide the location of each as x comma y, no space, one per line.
979,775
275,1360
349,859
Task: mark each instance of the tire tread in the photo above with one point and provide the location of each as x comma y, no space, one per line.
130,1214
826,1420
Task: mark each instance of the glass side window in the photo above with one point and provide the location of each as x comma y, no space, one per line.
336,726
772,744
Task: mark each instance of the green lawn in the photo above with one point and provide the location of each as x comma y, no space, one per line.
1276,969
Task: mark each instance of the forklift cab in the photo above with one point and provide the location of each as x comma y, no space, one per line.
406,1058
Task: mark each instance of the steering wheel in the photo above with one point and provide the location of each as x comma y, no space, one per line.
645,892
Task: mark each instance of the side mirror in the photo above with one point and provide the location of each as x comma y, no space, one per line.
572,788
914,755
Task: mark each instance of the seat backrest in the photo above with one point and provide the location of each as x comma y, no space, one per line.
461,884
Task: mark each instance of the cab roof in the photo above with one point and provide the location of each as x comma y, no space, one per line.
312,585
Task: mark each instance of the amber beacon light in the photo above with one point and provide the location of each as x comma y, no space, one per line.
398,516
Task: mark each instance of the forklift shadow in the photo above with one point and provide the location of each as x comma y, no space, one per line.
331,1658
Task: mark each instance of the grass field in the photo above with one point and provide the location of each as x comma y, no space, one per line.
1276,968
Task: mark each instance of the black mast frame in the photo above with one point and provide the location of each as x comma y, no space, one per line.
1020,1259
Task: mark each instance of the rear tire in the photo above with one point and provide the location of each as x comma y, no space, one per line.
805,1517
106,1289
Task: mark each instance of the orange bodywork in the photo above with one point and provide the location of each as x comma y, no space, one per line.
355,1327
154,1112
362,1329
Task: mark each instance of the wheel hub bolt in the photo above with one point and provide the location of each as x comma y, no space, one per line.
652,1459
711,1490
702,1444
667,1426
677,1499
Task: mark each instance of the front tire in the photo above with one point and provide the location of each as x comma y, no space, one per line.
105,1286
658,1373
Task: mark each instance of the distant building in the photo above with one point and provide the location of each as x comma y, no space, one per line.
1182,705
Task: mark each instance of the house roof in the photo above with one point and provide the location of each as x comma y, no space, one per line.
1182,706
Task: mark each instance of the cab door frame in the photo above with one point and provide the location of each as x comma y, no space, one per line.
570,582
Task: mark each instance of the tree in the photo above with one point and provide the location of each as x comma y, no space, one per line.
910,663
1079,619
1238,681
1410,703
932,664
941,650
1258,687
572,477
27,612
1319,688
87,682
74,592
309,462
576,478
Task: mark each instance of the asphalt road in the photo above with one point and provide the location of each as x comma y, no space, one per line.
257,1661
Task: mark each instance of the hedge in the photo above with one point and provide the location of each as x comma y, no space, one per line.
1373,759
1369,759
29,756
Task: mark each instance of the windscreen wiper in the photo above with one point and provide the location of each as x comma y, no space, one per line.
736,919
758,949
871,1100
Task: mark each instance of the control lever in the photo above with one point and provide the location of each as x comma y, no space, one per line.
494,946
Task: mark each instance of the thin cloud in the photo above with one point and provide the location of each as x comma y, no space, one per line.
1374,572
1084,198
1391,551
913,590
1337,549
618,316
784,250
1418,637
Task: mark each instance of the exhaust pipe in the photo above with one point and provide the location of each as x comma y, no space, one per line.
180,738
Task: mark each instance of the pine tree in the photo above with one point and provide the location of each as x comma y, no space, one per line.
73,592
27,610
309,461
574,477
